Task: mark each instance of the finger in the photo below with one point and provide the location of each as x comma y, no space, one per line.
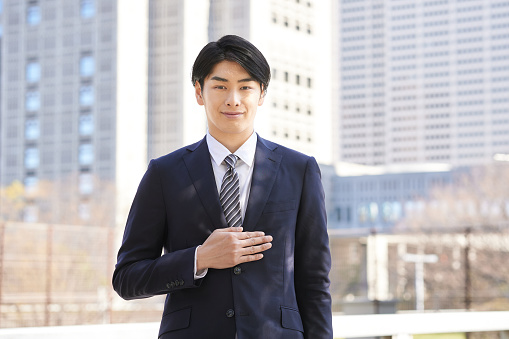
257,241
229,229
252,257
256,249
249,235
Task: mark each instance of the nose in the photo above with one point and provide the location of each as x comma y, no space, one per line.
233,99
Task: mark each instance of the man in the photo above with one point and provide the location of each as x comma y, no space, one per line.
241,220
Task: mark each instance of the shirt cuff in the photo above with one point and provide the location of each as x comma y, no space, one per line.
202,273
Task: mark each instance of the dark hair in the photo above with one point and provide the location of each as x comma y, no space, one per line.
232,48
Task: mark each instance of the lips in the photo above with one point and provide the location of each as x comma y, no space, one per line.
232,114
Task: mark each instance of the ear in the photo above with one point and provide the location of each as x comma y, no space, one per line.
198,93
262,98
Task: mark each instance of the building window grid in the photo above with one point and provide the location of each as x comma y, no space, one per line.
86,95
33,72
87,8
32,129
87,65
33,15
32,101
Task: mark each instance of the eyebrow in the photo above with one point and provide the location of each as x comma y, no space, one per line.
215,77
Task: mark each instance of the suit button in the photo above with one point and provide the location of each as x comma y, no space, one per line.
230,313
237,270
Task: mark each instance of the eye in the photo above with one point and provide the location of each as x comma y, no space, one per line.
220,87
245,87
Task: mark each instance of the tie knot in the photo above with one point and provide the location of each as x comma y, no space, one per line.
231,160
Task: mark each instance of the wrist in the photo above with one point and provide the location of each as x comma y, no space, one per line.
200,265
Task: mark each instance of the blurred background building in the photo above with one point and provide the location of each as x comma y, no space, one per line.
423,81
97,88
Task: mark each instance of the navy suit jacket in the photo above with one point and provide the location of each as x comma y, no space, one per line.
284,295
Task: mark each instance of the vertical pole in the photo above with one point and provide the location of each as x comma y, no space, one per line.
468,277
49,253
419,285
2,234
376,302
468,273
109,260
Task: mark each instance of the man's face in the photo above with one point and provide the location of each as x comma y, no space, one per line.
230,97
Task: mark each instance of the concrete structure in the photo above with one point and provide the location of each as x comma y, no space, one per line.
422,81
362,198
75,93
345,326
177,32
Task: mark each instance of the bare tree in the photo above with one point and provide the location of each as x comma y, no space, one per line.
466,223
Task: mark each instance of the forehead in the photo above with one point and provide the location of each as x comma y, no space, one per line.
229,70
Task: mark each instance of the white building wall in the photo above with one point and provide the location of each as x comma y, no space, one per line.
131,122
196,18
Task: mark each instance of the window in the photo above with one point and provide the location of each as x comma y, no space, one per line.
86,124
86,154
32,101
391,211
86,183
86,95
31,158
33,72
31,183
87,66
87,8
33,15
32,129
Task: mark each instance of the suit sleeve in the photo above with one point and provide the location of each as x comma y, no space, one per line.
141,271
312,258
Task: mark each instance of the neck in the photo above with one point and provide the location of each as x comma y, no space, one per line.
232,141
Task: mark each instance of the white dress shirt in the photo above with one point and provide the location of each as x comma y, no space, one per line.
244,168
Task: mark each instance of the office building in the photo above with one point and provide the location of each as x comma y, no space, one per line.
92,90
74,95
422,81
295,38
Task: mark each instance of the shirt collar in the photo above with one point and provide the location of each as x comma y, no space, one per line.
246,152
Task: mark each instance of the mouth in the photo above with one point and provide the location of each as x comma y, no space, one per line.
232,114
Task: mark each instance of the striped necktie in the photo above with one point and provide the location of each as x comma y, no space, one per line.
230,193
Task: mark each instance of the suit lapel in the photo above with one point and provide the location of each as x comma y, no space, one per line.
266,166
200,170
